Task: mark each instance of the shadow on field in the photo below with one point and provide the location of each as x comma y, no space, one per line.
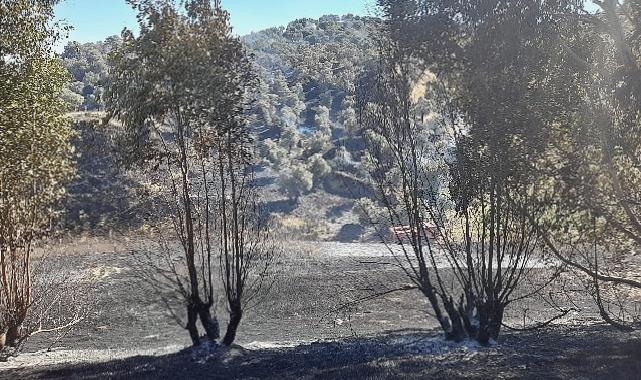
556,353
283,205
100,197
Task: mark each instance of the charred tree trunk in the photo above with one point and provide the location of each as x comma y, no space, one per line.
456,331
192,318
495,323
210,324
490,320
235,316
10,337
13,334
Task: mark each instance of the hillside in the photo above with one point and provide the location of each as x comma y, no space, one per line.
303,113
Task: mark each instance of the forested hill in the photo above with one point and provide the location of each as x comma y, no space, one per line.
304,109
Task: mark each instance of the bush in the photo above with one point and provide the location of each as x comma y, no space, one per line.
296,181
319,167
72,100
274,153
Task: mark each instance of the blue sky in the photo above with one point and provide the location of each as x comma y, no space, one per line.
94,20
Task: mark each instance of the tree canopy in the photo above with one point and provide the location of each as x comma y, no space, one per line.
36,155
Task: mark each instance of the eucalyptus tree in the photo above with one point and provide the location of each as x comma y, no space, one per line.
485,66
548,94
179,89
36,156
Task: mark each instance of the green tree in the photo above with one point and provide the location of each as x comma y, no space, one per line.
309,74
547,96
319,167
349,120
35,152
490,98
88,66
72,100
275,154
180,90
296,181
591,176
323,121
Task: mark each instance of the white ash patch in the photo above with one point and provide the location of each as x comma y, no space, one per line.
256,345
57,356
417,344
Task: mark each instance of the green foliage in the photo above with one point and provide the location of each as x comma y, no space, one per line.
304,101
545,97
308,74
322,121
290,138
348,119
593,166
35,150
180,89
72,100
297,181
87,64
319,167
205,71
370,212
274,153
548,95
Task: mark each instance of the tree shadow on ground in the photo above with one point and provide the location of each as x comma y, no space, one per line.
350,233
100,196
555,353
283,205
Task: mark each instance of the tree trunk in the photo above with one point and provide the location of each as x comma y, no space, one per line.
491,318
192,317
456,332
235,317
12,335
495,322
211,326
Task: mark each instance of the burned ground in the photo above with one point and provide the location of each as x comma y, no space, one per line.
299,332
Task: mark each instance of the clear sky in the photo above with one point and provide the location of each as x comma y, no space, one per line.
94,20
